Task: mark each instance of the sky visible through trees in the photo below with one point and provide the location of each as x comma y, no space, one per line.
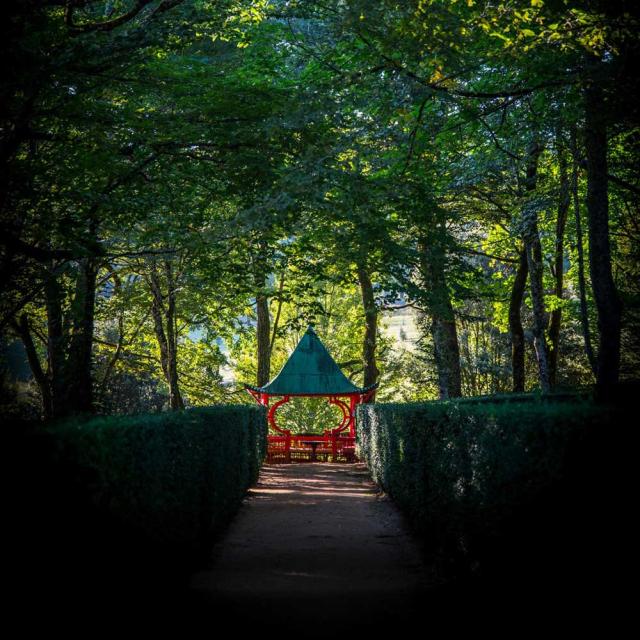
187,184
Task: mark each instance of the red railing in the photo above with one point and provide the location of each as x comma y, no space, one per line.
311,447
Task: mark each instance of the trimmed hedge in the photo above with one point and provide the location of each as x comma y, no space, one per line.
479,477
170,479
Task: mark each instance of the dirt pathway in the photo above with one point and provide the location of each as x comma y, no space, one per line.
314,548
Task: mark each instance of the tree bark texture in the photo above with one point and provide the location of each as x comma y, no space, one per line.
263,334
260,270
67,384
369,343
276,321
515,323
78,378
56,343
21,327
533,249
582,287
555,319
175,397
443,325
604,289
164,319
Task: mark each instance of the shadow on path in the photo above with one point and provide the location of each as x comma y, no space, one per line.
314,548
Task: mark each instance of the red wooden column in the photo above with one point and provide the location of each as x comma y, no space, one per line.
353,400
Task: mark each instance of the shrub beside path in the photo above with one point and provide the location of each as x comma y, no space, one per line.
314,547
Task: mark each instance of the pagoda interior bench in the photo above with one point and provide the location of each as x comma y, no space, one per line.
309,447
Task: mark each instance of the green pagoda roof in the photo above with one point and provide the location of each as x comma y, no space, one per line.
310,370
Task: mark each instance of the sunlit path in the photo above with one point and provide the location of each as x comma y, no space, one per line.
314,547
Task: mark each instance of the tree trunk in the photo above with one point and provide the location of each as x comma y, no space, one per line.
582,287
261,267
443,325
369,342
21,327
157,312
56,342
534,259
533,249
67,387
78,392
604,289
164,325
558,264
515,323
263,334
175,398
445,340
274,331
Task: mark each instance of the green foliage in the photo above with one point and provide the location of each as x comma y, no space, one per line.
253,143
334,310
309,415
173,478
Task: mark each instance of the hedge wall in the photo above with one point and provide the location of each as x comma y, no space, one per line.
169,479
479,478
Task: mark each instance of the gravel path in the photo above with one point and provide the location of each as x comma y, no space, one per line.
316,549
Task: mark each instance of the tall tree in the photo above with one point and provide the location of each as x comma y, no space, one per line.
371,371
564,199
163,310
582,287
441,314
533,249
604,289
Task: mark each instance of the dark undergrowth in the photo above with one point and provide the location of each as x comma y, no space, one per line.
110,517
525,510
522,504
